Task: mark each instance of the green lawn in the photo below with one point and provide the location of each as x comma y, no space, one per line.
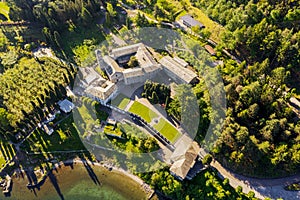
215,28
88,115
142,111
4,10
167,130
121,101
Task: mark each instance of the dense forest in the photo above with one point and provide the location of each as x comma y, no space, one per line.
259,30
261,130
56,15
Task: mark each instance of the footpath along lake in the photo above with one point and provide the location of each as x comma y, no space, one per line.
79,183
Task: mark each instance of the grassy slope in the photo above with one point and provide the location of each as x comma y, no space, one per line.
73,43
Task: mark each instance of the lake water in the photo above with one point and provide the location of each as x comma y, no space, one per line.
79,183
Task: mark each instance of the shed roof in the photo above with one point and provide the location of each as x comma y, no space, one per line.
133,72
191,21
144,57
114,67
210,49
66,105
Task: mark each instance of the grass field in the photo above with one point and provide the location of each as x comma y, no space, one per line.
4,10
121,101
142,111
167,130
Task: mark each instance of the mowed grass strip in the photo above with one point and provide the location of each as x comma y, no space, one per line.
4,10
167,130
143,111
121,101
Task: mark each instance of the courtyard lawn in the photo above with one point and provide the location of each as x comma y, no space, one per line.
143,111
167,130
4,10
121,101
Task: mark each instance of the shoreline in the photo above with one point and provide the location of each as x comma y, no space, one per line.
149,192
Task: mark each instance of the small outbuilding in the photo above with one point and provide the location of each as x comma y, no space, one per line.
66,106
190,22
210,50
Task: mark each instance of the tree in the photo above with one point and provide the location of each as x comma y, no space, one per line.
141,20
86,16
57,39
4,118
133,62
207,159
111,10
47,35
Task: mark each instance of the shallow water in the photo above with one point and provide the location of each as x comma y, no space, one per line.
78,183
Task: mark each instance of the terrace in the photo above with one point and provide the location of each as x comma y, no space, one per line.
143,111
167,130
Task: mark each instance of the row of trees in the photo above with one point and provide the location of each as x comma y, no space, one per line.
30,86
